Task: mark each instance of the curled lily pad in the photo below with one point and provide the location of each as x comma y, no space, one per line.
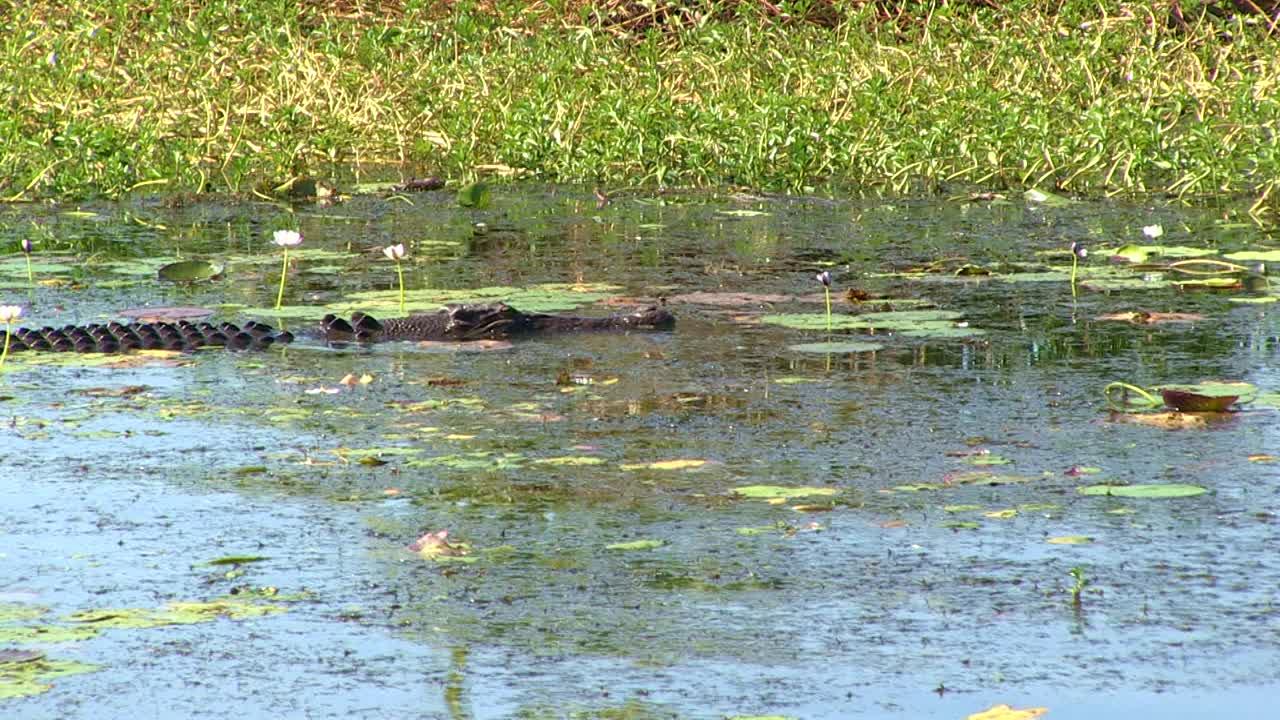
189,271
1205,397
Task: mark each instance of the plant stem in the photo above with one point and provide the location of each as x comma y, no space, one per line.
1075,260
284,271
31,280
400,275
8,330
827,291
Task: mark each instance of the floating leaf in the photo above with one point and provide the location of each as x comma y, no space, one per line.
1171,490
1254,256
569,460
189,271
1205,397
1042,197
1135,253
476,196
237,560
636,545
812,321
781,492
1005,712
851,346
1070,540
987,459
689,464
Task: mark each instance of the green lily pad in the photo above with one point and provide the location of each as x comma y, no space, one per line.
569,460
237,559
475,195
779,491
1254,256
31,677
835,347
1042,197
811,321
636,545
189,271
1126,283
46,634
1171,490
19,268
1135,253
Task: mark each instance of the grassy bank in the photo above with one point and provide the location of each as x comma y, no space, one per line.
119,95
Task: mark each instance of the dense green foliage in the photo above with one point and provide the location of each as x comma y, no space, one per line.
114,95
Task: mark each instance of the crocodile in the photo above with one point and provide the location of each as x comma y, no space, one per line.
453,323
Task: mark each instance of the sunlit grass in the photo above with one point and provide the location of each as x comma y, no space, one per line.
228,96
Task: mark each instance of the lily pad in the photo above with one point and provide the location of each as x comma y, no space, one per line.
812,321
189,271
1170,490
779,491
837,347
1254,256
475,195
1135,253
1205,397
19,268
636,545
1070,540
1042,197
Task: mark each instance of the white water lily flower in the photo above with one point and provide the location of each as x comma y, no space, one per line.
394,252
1153,231
9,313
287,238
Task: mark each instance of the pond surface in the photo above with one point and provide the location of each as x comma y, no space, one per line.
918,564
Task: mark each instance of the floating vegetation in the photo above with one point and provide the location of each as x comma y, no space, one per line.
187,271
1171,490
834,347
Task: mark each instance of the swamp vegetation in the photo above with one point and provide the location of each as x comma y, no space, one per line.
116,97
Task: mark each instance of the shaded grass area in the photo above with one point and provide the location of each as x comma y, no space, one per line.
113,96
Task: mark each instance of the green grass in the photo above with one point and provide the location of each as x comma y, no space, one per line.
113,96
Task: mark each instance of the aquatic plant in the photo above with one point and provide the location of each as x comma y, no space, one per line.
1153,231
824,277
1078,253
397,253
8,313
1077,589
285,239
26,250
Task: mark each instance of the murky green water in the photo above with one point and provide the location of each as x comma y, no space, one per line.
926,586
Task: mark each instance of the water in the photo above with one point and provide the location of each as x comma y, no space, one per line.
885,604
